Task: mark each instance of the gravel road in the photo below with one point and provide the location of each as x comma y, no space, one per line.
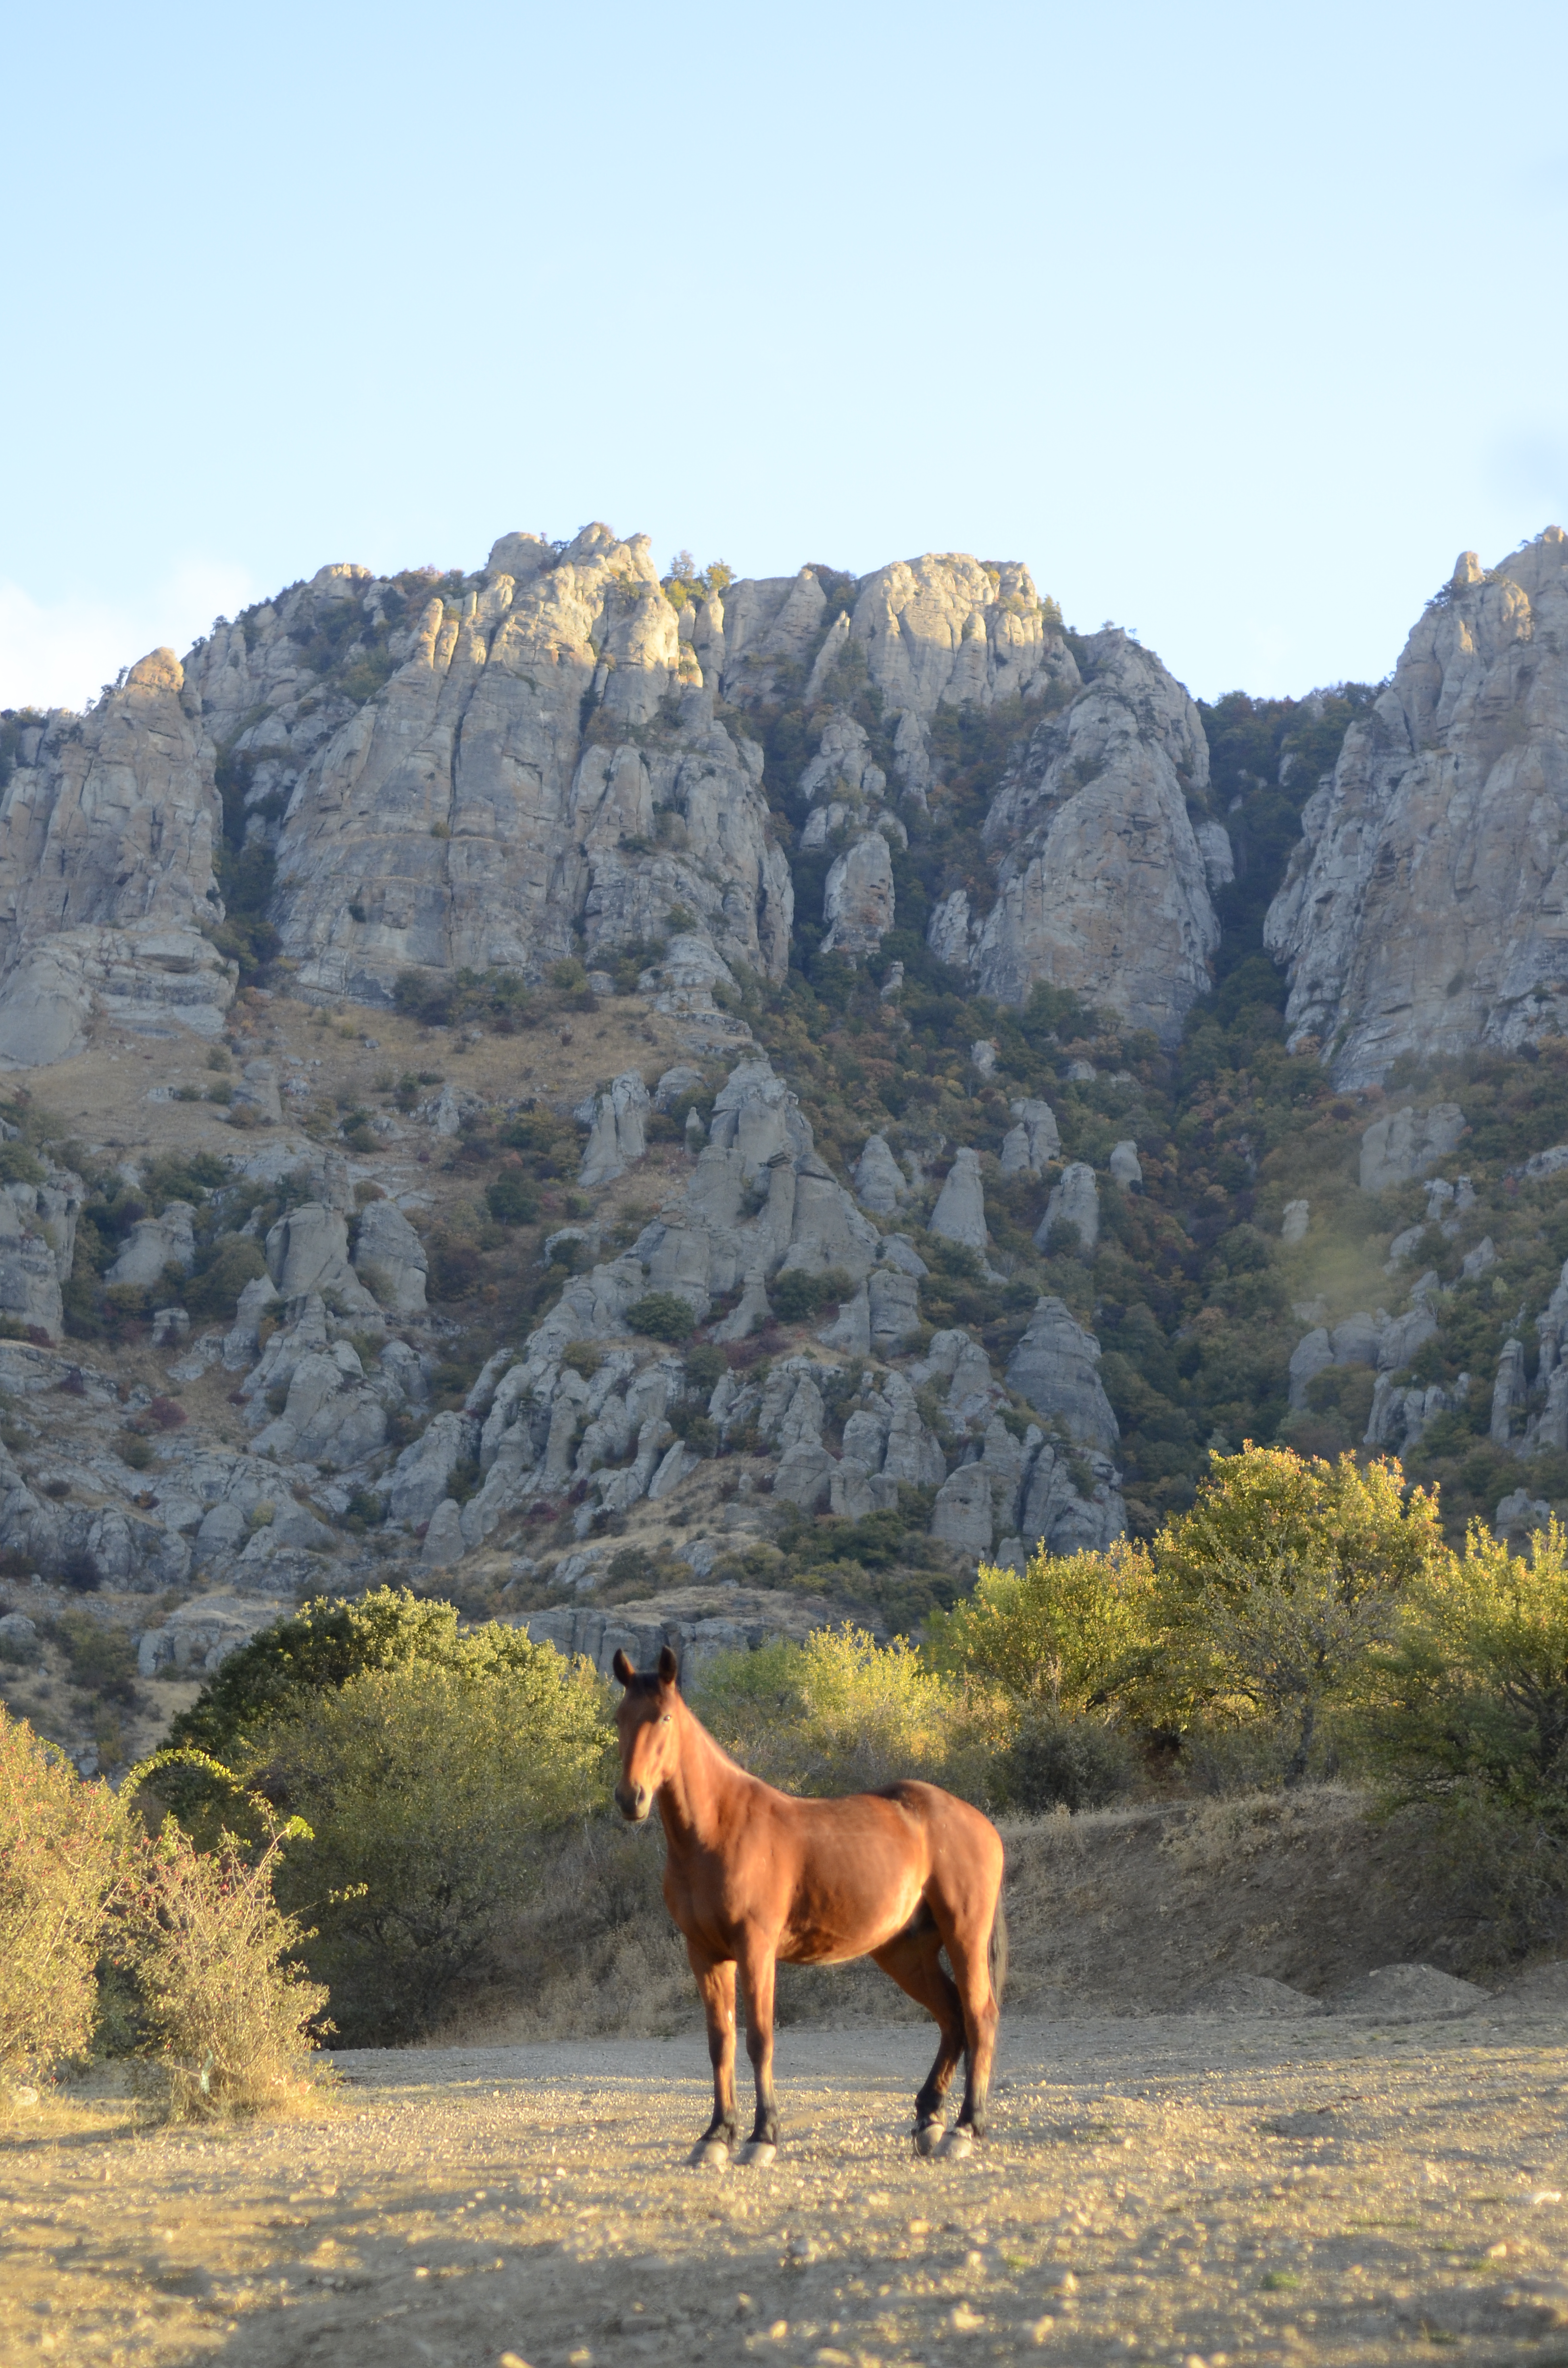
1177,2189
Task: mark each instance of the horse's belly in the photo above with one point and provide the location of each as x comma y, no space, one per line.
834,1931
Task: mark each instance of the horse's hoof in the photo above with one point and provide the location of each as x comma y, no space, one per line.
710,2154
957,2145
928,2139
757,2154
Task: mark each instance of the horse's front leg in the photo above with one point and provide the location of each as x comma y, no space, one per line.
758,1969
716,1982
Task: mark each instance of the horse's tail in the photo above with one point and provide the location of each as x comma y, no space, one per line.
997,1952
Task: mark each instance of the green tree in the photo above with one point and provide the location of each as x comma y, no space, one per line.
426,1786
1278,1588
1061,1633
839,1713
1475,1693
318,1648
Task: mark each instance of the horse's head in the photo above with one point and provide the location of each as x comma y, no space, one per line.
647,1723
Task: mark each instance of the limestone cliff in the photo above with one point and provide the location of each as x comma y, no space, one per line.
1101,884
558,755
108,830
541,775
1425,908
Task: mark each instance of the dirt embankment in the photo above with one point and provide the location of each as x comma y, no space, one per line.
1120,1911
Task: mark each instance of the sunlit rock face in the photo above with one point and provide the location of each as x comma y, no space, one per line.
1426,910
541,776
108,827
1101,884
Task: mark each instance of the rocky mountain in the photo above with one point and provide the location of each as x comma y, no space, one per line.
683,1106
1423,910
560,755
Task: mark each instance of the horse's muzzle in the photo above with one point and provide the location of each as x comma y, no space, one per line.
633,1800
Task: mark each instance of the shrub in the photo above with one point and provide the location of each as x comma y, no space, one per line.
1475,1692
61,1849
228,2017
703,1368
167,1413
796,1294
659,1316
133,1449
221,1273
102,1657
512,1201
1059,1636
427,1789
1062,1762
836,1715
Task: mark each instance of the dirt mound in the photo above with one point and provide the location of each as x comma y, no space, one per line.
1250,1994
1409,1993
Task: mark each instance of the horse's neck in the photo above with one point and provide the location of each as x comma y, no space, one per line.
692,1799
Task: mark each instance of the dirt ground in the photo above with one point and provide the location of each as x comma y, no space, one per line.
1176,2189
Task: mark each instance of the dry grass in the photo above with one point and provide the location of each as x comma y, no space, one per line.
230,2018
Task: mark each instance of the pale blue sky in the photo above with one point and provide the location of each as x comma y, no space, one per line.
1234,322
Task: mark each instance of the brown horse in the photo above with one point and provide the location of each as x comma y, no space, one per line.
753,1876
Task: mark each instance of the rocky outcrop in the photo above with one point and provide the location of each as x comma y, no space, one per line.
959,1213
38,1244
390,1259
540,759
1100,881
1072,1201
1033,1143
879,1182
1385,1342
109,828
1403,1145
1424,911
154,1243
615,1121
1055,1367
546,754
308,1251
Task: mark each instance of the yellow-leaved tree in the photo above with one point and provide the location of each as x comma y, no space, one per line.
1054,1647
1279,1587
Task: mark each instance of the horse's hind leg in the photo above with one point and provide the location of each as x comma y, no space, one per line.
913,1963
969,1953
717,1985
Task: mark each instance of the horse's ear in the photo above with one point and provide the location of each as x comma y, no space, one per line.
623,1668
669,1668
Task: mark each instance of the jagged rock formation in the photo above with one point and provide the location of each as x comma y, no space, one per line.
616,1137
1424,911
108,827
959,1213
1073,1201
1055,1367
1029,1147
1396,1148
543,757
1386,1343
1101,885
